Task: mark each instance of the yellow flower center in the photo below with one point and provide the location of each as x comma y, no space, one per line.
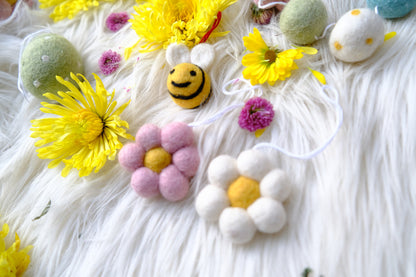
270,56
243,192
157,159
88,126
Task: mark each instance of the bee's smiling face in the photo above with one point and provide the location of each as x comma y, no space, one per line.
185,79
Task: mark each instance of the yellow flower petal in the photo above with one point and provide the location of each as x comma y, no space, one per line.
389,36
318,75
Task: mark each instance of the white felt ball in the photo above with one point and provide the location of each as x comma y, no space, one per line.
357,35
276,185
253,164
222,171
210,202
236,225
268,215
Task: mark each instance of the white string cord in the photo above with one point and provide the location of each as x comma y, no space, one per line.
216,116
269,5
247,89
317,151
325,31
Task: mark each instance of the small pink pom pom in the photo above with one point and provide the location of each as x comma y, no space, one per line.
148,136
172,184
5,9
145,182
187,160
175,136
116,21
131,156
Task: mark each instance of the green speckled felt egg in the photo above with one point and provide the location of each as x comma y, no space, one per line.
46,56
301,21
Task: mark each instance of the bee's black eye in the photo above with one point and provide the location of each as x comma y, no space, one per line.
193,73
173,70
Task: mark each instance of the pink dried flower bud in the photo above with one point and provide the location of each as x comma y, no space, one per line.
256,114
116,21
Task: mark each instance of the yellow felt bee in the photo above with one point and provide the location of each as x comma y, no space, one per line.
188,84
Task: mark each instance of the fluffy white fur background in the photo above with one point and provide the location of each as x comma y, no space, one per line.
352,210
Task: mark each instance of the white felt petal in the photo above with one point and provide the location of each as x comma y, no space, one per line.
222,171
177,53
268,215
210,202
276,185
203,55
253,164
236,225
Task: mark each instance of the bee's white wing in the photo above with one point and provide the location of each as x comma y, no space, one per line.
177,53
203,55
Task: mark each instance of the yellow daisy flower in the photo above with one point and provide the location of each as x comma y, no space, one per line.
87,131
13,262
266,64
68,8
160,22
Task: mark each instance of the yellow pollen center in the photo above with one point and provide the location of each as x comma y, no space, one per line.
270,56
87,125
157,159
355,12
337,45
369,41
243,192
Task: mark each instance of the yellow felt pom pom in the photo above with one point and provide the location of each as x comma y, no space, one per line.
243,192
157,159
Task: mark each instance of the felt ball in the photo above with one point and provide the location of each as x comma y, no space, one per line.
175,136
356,35
243,192
253,164
302,21
145,182
222,171
148,136
276,185
157,159
392,8
210,202
131,156
186,160
268,215
5,9
188,85
46,56
172,184
236,225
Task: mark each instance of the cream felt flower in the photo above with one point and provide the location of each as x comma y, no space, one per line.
245,195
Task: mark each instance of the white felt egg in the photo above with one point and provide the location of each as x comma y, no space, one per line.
357,35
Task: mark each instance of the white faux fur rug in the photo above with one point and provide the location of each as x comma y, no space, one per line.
352,208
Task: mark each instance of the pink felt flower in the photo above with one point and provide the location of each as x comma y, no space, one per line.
109,62
116,21
256,114
162,160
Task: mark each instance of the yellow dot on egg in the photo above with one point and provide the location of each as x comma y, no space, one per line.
157,159
355,12
337,45
369,41
243,192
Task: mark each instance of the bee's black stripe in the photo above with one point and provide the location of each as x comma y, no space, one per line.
193,95
205,101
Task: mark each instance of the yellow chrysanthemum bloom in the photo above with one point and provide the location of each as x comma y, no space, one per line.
68,8
160,22
87,131
13,262
266,64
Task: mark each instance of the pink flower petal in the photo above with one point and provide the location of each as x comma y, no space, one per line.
175,136
148,136
131,156
145,182
173,185
187,160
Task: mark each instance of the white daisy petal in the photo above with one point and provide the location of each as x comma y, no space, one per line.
276,185
222,171
210,202
253,164
268,215
236,225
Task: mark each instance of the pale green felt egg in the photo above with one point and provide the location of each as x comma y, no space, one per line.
46,56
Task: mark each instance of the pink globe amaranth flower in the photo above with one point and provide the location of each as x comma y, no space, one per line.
256,114
109,62
116,21
176,141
